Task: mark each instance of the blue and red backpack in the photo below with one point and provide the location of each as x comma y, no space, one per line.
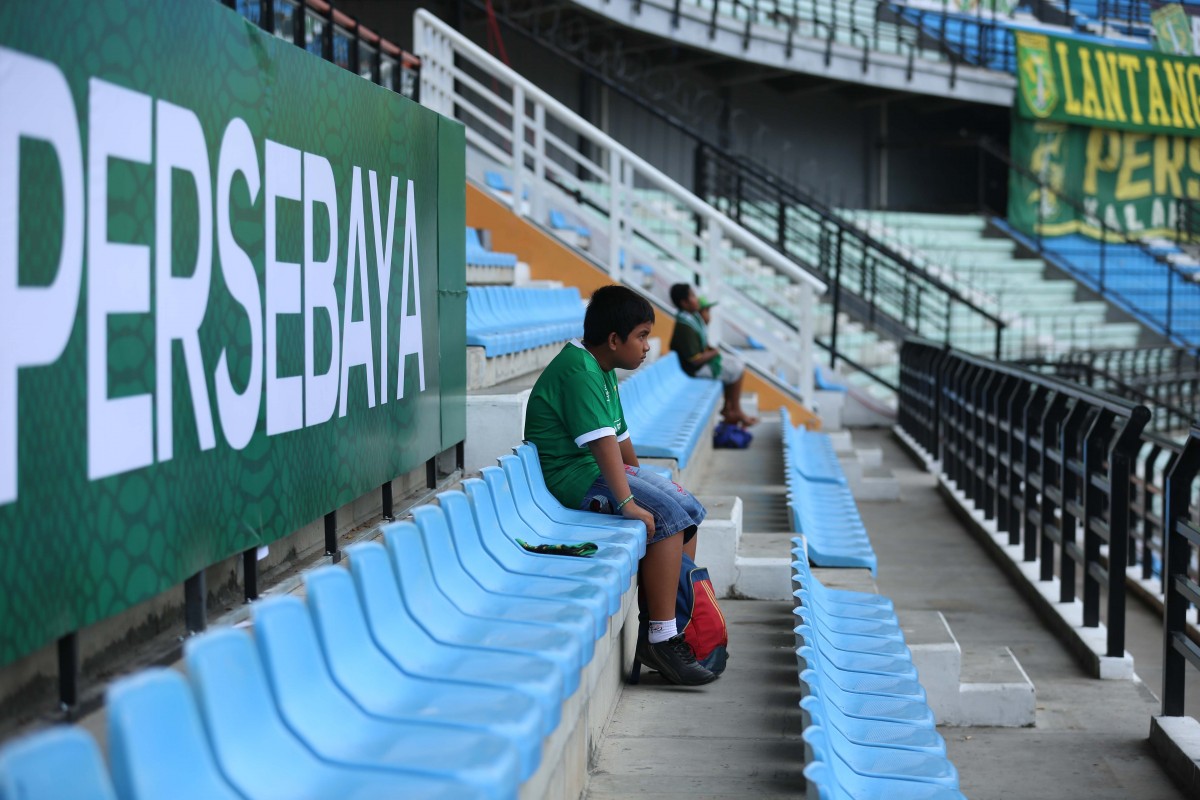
699,618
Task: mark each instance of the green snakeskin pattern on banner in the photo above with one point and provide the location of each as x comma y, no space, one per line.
77,550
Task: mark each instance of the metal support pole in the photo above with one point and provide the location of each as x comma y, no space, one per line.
331,542
250,573
195,611
68,671
388,516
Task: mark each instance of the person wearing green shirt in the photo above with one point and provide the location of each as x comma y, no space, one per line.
575,419
700,360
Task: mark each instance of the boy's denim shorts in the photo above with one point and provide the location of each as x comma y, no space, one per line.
674,508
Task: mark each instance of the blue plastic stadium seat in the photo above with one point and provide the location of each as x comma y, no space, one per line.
384,688
535,528
594,529
410,645
473,598
498,537
257,751
62,762
667,412
825,382
821,505
156,743
499,182
835,780
337,729
559,222
536,481
480,256
446,623
508,319
522,578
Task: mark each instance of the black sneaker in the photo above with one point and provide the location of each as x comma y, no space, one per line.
675,661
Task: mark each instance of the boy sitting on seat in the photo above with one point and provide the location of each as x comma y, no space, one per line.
701,360
587,456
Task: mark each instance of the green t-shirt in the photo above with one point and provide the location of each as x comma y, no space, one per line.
689,340
573,402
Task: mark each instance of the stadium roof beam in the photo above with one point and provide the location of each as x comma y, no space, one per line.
735,74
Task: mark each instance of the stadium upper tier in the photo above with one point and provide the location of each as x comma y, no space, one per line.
925,46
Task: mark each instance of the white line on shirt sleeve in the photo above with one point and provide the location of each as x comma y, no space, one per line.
592,436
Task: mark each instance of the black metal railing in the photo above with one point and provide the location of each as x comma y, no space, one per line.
868,278
1164,379
334,35
1123,269
1180,587
1048,461
979,38
852,262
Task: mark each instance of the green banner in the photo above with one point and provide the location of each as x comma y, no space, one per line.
231,298
1068,80
1130,182
1172,30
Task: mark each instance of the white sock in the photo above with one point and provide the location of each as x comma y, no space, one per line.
661,630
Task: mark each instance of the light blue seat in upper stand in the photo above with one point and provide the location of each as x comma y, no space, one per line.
382,687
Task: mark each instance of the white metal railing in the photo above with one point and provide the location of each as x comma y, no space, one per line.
553,154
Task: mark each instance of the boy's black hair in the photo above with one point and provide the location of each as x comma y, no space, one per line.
679,293
614,309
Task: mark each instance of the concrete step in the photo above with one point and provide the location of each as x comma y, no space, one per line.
972,686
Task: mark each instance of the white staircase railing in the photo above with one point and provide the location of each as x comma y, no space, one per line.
551,153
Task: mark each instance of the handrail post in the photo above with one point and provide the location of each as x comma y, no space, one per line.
1072,490
1120,461
1176,558
837,299
518,148
1094,445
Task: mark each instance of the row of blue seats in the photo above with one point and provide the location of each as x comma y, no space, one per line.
499,182
434,667
480,256
821,504
869,733
508,319
667,411
1151,292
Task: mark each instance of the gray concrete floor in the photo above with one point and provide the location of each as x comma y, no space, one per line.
739,737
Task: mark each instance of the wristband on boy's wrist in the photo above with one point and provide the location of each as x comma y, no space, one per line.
621,504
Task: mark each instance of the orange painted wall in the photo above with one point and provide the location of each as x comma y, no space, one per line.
549,259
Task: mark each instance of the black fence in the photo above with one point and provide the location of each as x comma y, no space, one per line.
1073,478
868,278
1163,378
1180,588
1050,462
331,34
980,38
